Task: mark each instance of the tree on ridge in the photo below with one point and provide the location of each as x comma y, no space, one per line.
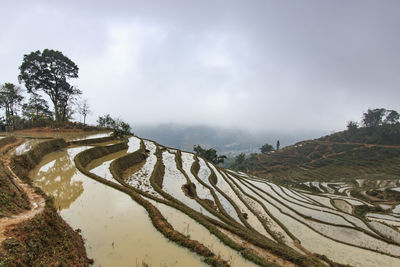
10,99
36,109
49,72
209,154
84,110
266,148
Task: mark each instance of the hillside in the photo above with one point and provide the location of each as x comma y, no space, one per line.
145,194
368,155
326,161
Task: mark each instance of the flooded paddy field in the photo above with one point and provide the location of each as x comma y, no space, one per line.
164,207
67,136
117,231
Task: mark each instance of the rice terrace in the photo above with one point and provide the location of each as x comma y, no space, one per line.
133,187
200,133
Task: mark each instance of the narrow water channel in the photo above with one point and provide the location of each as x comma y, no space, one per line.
117,231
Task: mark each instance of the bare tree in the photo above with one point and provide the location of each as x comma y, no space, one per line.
84,110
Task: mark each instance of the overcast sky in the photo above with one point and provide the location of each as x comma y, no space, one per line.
257,65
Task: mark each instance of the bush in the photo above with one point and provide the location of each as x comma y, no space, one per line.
119,127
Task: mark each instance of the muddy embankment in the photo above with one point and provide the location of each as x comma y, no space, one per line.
45,239
13,198
92,141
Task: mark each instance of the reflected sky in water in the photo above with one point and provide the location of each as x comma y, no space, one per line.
117,231
56,176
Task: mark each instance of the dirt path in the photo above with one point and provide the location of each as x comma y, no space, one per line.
361,144
37,202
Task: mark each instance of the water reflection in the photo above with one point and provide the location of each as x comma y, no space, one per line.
101,166
68,136
55,177
87,136
25,146
117,230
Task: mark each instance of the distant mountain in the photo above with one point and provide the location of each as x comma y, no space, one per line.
229,142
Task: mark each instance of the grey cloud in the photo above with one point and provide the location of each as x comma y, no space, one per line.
259,65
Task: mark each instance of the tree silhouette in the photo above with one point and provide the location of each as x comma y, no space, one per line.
266,148
352,127
373,117
56,177
10,99
209,154
36,109
49,72
392,117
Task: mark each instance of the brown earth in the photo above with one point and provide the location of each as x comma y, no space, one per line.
48,130
32,233
37,204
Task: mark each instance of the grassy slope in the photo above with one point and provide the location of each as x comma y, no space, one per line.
338,157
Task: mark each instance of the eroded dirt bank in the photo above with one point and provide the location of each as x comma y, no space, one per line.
31,231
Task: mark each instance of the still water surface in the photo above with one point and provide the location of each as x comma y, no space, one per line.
117,231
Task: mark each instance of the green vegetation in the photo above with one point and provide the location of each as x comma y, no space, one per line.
360,211
10,99
266,148
379,116
386,134
239,163
369,152
381,126
209,154
49,71
324,161
119,127
352,127
37,111
242,162
45,73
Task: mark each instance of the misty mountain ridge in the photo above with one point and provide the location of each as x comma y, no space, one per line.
229,142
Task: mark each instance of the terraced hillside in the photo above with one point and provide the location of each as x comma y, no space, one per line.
327,161
368,153
235,219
